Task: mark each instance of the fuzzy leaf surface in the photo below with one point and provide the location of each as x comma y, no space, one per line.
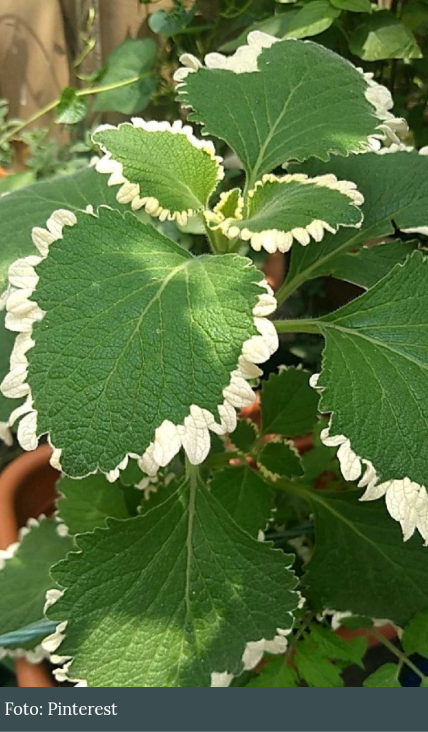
182,589
246,497
25,578
23,209
166,166
288,203
375,372
133,335
316,108
395,190
360,561
289,405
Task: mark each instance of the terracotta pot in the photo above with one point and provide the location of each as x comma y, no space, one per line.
27,489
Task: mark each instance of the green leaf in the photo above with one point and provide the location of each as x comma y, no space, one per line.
172,22
353,6
360,563
395,190
385,676
17,180
333,646
366,266
178,621
72,108
162,167
279,459
139,341
277,26
415,636
26,208
245,496
383,36
375,357
295,207
25,578
85,504
316,112
158,492
314,668
134,58
275,673
245,435
289,405
313,18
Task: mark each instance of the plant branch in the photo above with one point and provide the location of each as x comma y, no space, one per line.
403,658
297,326
52,105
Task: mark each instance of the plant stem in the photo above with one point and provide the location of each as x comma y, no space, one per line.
52,105
399,654
297,326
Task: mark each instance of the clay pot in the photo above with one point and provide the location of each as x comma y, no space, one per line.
27,489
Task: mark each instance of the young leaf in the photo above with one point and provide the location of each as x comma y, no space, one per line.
415,636
168,620
395,190
86,504
289,406
385,676
25,577
29,207
275,673
142,346
161,167
316,108
71,108
366,266
314,668
375,357
313,18
360,562
295,207
134,58
383,36
245,496
279,460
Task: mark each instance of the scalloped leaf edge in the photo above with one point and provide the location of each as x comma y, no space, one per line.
273,240
406,501
193,435
129,192
244,60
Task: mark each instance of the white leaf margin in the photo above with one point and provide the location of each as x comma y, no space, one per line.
5,431
406,501
194,434
39,653
129,193
274,240
244,60
252,655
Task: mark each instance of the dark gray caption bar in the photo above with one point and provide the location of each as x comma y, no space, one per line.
200,710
